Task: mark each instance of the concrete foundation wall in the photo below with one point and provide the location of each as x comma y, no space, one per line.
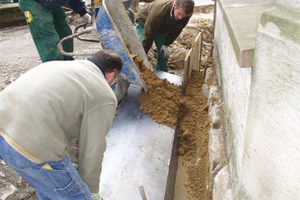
260,102
271,152
235,82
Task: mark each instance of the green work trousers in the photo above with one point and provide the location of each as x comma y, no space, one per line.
162,63
48,27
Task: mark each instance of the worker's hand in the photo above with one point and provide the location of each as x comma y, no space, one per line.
75,165
96,196
87,18
166,51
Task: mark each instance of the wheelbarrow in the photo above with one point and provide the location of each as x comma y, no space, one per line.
117,33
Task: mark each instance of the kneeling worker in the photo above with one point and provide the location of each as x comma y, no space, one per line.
49,106
162,22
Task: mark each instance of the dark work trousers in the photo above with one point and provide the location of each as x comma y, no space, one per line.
162,63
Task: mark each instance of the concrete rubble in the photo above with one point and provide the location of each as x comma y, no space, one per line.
220,179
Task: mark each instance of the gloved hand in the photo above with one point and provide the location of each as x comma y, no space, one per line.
96,196
166,50
75,165
87,18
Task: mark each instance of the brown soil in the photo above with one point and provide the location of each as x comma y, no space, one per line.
193,137
162,101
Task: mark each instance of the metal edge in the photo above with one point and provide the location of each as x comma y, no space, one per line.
170,186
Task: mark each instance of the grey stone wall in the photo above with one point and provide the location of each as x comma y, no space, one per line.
260,103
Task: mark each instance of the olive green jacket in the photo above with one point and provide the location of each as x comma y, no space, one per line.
156,17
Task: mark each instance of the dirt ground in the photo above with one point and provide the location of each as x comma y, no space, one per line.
18,55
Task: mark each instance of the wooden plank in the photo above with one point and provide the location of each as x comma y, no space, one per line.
195,53
192,61
186,73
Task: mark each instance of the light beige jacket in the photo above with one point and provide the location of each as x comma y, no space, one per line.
50,105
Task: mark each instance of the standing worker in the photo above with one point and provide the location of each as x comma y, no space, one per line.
48,25
162,21
49,106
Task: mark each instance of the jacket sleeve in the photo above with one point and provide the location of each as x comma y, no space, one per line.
78,6
92,143
151,28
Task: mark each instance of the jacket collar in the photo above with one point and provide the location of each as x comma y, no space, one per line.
172,11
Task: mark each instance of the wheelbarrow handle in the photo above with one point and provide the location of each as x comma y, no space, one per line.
83,39
85,31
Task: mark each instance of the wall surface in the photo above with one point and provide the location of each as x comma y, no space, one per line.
271,154
235,82
246,3
260,103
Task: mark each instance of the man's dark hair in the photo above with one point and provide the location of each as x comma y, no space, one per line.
186,5
107,61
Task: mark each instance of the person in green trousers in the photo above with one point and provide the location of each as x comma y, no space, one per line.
162,22
48,25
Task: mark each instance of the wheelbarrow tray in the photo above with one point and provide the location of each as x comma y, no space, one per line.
118,34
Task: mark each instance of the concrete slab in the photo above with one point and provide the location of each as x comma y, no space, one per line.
242,23
138,151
